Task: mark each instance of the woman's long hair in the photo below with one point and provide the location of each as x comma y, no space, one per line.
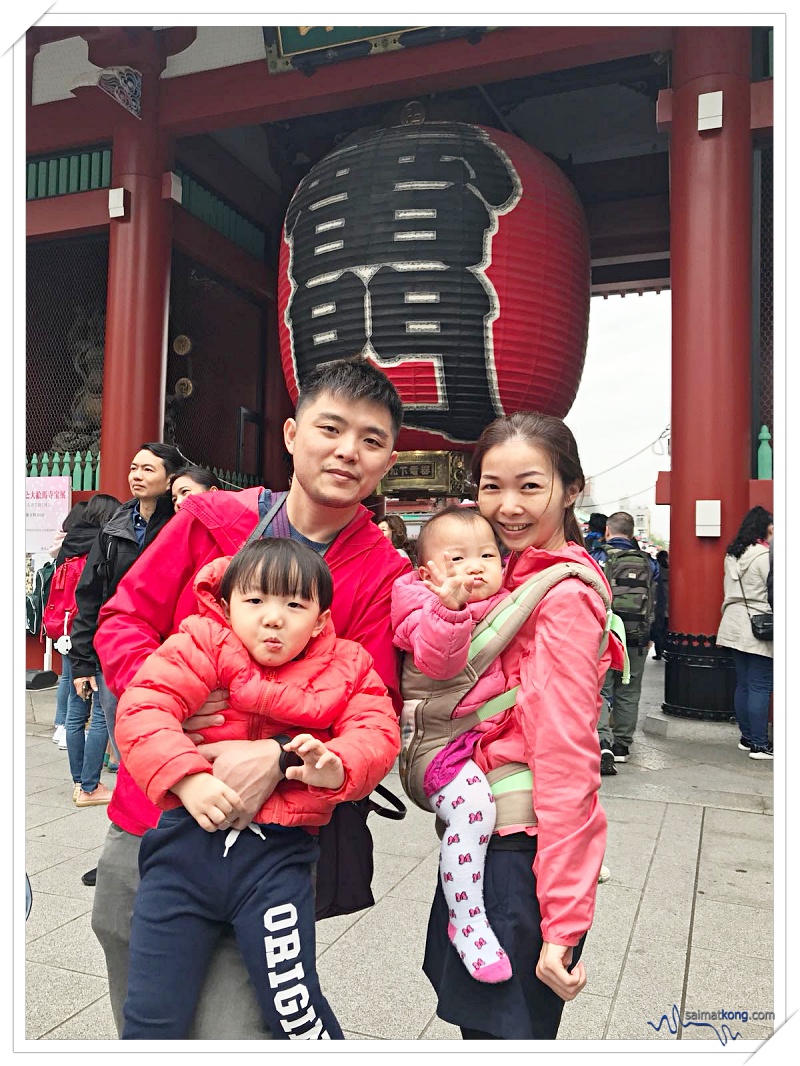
553,437
755,526
398,530
100,508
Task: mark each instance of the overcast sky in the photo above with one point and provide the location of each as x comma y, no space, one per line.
623,401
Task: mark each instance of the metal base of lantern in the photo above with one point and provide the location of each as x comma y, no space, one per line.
427,473
700,678
40,679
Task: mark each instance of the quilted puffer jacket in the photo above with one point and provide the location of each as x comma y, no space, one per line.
332,692
438,639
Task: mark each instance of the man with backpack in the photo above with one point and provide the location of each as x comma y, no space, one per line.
632,575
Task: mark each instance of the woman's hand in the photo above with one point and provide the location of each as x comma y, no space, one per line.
84,686
552,970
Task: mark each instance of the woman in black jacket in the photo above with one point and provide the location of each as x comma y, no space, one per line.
85,749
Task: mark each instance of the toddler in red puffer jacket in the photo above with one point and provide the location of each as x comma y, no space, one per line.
263,632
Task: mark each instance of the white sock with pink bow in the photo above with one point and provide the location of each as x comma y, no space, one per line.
466,805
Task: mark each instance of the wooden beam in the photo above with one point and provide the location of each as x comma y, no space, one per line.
61,216
205,245
761,107
248,93
87,119
209,162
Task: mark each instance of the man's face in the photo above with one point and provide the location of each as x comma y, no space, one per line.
147,477
341,449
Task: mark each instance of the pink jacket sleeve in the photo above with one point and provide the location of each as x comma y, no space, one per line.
558,706
435,636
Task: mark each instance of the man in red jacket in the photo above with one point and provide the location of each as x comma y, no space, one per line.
342,443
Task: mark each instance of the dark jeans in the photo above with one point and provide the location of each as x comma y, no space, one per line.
753,690
189,892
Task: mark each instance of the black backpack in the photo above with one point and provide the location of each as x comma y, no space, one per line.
629,572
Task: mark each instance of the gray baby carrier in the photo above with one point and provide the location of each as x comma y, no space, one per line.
426,723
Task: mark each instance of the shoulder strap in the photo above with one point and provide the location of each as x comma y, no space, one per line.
278,500
493,634
746,604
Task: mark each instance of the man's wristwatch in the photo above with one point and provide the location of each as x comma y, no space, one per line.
287,758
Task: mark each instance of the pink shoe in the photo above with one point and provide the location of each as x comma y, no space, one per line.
494,973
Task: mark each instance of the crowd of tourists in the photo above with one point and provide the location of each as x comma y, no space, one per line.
251,661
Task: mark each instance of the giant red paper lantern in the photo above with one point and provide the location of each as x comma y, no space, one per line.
456,258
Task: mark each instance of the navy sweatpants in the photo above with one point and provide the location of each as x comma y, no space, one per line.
188,892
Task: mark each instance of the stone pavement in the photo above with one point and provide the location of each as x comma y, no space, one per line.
685,920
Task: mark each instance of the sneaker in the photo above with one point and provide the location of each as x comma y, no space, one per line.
744,745
98,798
605,873
620,752
59,735
76,792
90,877
607,765
761,753
62,740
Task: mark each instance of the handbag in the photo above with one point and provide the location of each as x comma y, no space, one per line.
345,867
760,624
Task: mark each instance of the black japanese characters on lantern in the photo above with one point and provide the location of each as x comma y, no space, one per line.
389,238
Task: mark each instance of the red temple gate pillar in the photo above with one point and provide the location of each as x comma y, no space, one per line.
710,247
139,257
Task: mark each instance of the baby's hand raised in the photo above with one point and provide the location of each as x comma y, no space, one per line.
453,591
212,803
321,767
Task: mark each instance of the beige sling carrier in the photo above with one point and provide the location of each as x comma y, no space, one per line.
427,725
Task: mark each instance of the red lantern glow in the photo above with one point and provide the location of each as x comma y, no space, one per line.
456,258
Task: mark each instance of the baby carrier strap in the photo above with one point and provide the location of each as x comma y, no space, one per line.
433,726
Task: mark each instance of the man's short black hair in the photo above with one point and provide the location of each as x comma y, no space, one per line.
597,522
169,456
352,379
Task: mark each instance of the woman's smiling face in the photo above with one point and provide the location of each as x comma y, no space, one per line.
523,497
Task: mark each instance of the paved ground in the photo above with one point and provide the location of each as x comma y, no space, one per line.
685,921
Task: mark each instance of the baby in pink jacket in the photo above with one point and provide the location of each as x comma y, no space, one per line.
434,611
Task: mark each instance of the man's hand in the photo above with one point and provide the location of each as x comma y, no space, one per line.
552,970
211,803
248,766
84,685
321,767
207,715
453,591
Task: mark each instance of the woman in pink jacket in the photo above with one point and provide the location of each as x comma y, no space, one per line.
541,878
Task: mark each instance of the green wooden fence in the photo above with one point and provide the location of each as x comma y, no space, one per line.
204,204
764,458
63,174
84,470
